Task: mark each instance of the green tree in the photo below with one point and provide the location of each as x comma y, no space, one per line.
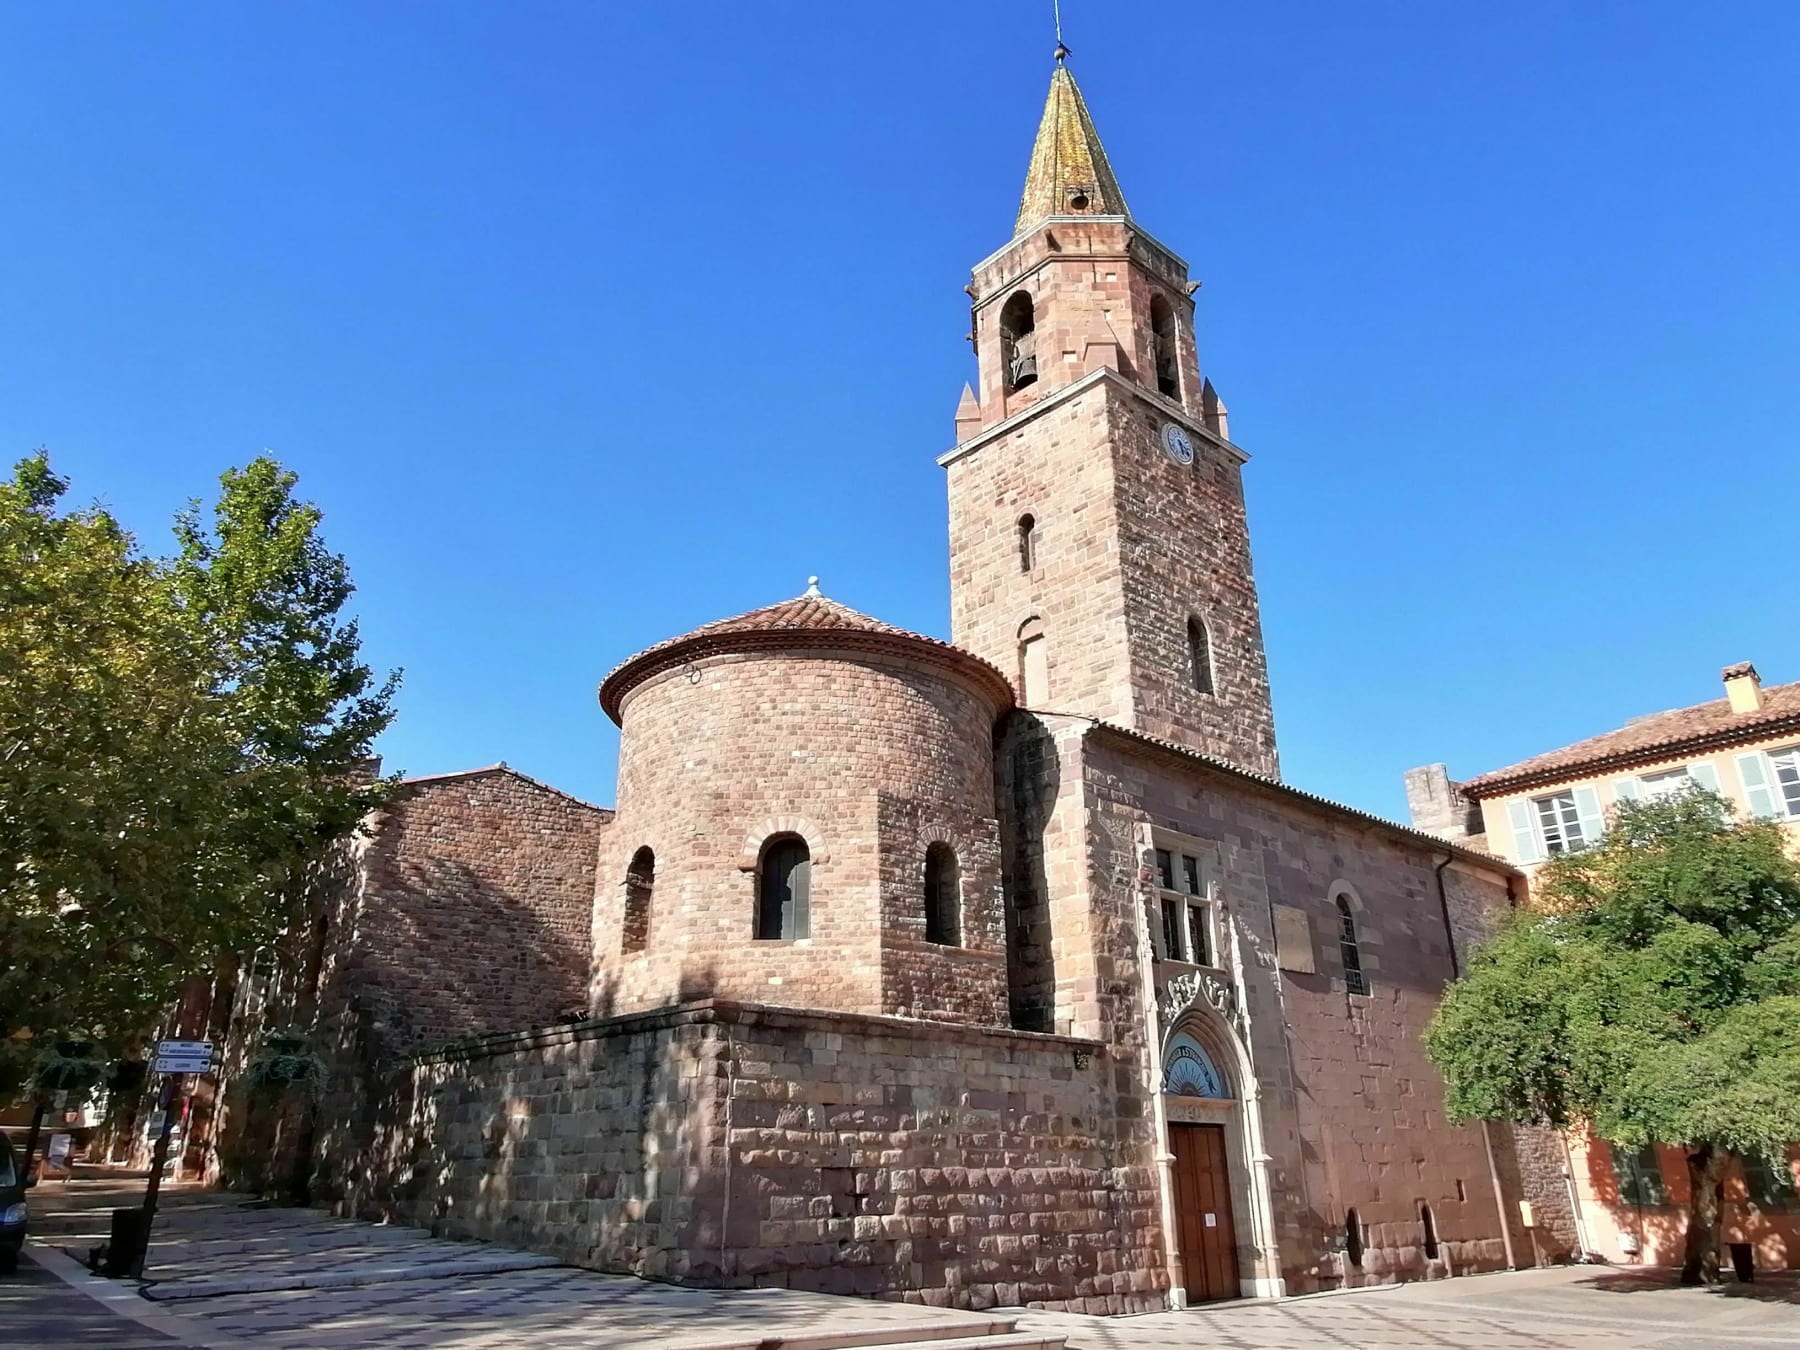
179,739
1652,992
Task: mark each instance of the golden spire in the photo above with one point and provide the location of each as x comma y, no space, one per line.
1069,175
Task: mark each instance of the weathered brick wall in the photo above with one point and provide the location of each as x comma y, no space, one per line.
1186,541
867,757
1130,545
724,1144
474,912
1352,1110
1055,468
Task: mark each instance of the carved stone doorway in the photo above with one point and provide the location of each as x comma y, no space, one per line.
1208,1235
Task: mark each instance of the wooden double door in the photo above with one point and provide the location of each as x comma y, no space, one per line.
1208,1238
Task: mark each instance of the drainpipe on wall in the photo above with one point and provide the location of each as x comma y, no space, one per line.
1585,1253
1487,1136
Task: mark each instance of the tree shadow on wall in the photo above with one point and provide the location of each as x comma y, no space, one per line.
443,956
481,959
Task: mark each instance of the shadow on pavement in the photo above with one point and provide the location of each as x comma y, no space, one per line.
1769,1286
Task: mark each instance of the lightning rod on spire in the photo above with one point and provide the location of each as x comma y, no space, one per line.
1062,49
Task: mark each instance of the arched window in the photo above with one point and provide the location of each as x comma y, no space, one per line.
1348,947
784,889
943,896
640,879
1188,1071
1165,352
1200,660
1027,542
1018,341
1034,665
1353,1239
1428,1226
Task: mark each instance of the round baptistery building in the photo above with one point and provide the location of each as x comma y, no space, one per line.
805,819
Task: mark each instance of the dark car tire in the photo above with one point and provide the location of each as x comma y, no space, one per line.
9,1262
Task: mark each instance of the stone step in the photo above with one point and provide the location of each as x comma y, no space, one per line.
1006,1340
998,1334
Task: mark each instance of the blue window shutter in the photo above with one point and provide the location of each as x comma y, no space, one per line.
1526,847
1759,793
1587,810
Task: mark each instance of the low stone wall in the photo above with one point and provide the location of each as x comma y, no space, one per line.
727,1144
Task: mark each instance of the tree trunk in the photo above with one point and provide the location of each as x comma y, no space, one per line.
38,1103
1701,1262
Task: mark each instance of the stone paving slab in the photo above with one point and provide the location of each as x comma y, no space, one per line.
276,1281
564,1308
1584,1308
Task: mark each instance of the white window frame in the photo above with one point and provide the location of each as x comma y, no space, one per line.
1772,782
1197,909
1665,782
1532,842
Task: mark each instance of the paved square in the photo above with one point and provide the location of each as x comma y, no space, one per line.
230,1274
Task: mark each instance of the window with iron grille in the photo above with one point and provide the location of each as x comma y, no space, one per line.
1350,949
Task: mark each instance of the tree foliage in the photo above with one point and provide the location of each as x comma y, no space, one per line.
179,738
1652,993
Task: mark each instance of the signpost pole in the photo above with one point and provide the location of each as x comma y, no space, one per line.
165,1101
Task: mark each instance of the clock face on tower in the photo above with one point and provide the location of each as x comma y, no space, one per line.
1175,441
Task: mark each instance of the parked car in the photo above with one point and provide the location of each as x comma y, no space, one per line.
12,1207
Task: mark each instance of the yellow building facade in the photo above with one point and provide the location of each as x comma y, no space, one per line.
1745,746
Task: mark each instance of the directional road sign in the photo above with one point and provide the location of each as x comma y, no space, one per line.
182,1057
184,1047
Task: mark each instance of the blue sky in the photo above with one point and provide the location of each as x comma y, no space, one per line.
588,323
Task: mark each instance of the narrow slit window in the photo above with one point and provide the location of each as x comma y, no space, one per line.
943,896
1028,543
1200,656
1351,950
784,890
1428,1232
640,882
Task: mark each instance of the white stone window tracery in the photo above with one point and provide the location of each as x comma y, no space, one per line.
1187,908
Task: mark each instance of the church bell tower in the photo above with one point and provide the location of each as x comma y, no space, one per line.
1099,552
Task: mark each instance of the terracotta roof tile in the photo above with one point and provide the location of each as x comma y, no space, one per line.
1662,735
833,624
1471,850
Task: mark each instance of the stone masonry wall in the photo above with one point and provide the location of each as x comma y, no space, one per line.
722,1144
869,759
1185,540
1054,468
474,912
1352,1111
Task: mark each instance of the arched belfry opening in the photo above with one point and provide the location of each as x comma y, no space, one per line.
1018,341
1165,350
